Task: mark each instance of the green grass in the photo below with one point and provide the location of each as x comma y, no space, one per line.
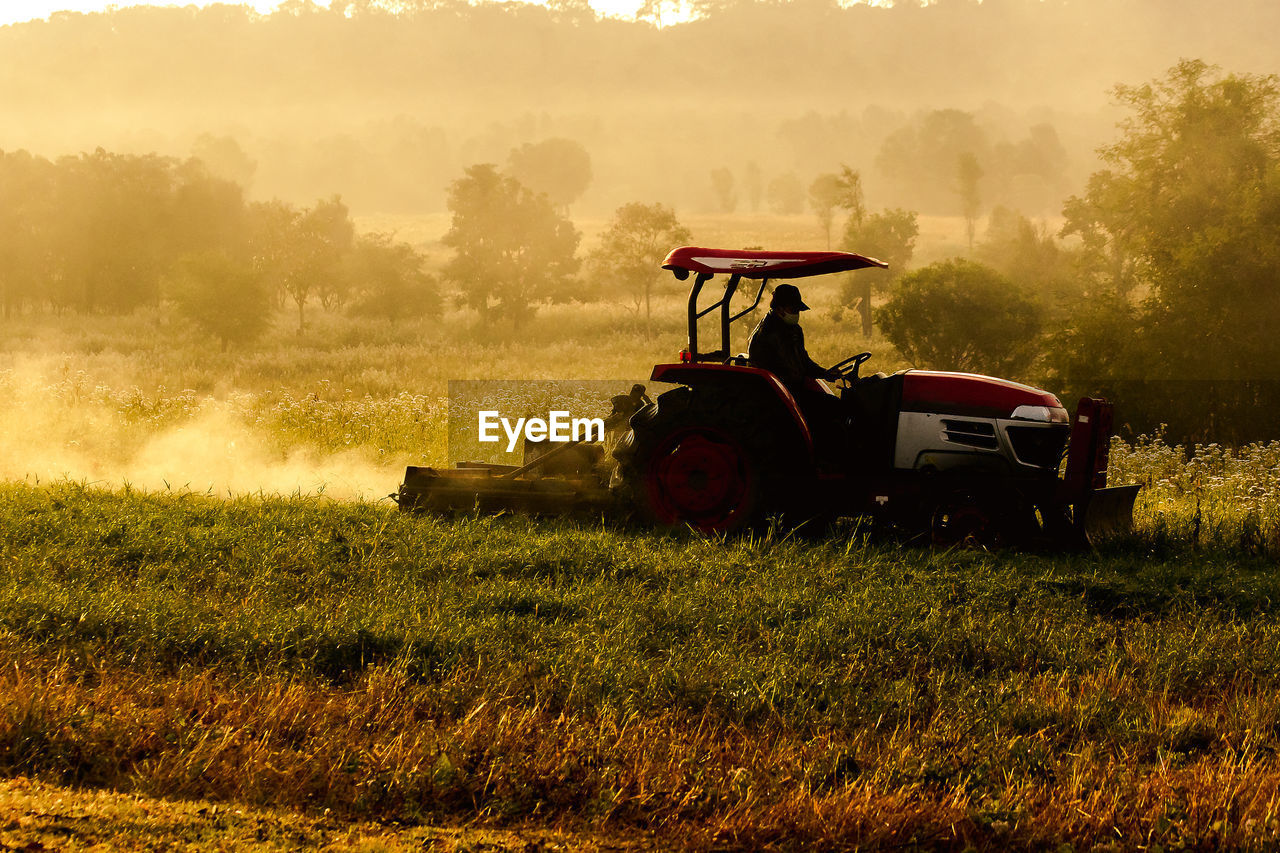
801,631
952,688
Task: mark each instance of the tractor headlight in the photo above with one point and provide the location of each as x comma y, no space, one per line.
1042,414
1032,413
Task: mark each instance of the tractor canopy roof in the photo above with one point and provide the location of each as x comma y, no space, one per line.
759,264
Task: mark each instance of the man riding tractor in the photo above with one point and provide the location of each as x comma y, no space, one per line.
739,439
777,345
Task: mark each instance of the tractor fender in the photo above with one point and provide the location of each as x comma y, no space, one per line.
743,380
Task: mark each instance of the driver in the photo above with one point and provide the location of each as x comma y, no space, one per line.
777,344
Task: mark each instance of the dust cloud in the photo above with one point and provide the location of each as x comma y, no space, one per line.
55,432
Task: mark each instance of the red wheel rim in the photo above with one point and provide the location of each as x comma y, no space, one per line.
701,477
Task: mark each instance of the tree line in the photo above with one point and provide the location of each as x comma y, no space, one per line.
111,233
390,100
1162,289
407,51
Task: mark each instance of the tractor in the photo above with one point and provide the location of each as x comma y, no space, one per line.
958,457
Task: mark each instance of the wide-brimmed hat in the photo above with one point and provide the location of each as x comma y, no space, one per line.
788,296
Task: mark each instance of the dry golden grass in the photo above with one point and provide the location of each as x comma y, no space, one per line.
390,749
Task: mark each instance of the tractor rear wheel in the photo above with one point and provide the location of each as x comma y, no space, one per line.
706,459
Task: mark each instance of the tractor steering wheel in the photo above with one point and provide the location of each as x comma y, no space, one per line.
851,373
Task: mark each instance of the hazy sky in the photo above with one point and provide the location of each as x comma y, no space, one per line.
15,11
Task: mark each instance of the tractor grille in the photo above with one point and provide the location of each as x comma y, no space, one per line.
1041,446
971,433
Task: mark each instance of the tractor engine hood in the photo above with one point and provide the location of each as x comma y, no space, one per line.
938,392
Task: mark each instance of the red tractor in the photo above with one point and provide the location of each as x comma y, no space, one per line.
965,457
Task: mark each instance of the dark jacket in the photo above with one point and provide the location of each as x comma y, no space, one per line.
778,347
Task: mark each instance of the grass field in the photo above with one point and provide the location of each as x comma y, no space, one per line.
213,633
834,692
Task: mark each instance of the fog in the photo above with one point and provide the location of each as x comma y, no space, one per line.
387,108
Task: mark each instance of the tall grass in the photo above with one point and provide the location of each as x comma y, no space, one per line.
1205,495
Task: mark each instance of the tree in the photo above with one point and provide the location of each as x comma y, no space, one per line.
1031,174
1111,249
850,198
968,173
511,247
1098,346
1189,207
889,236
961,315
753,184
722,184
561,168
654,10
114,229
824,195
572,12
271,225
208,213
225,159
786,194
104,231
303,252
633,247
326,234
920,159
224,297
389,280
830,192
1029,256
26,220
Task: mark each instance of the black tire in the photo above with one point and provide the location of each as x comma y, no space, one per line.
710,459
983,518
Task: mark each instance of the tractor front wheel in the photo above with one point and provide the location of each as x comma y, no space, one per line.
977,519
